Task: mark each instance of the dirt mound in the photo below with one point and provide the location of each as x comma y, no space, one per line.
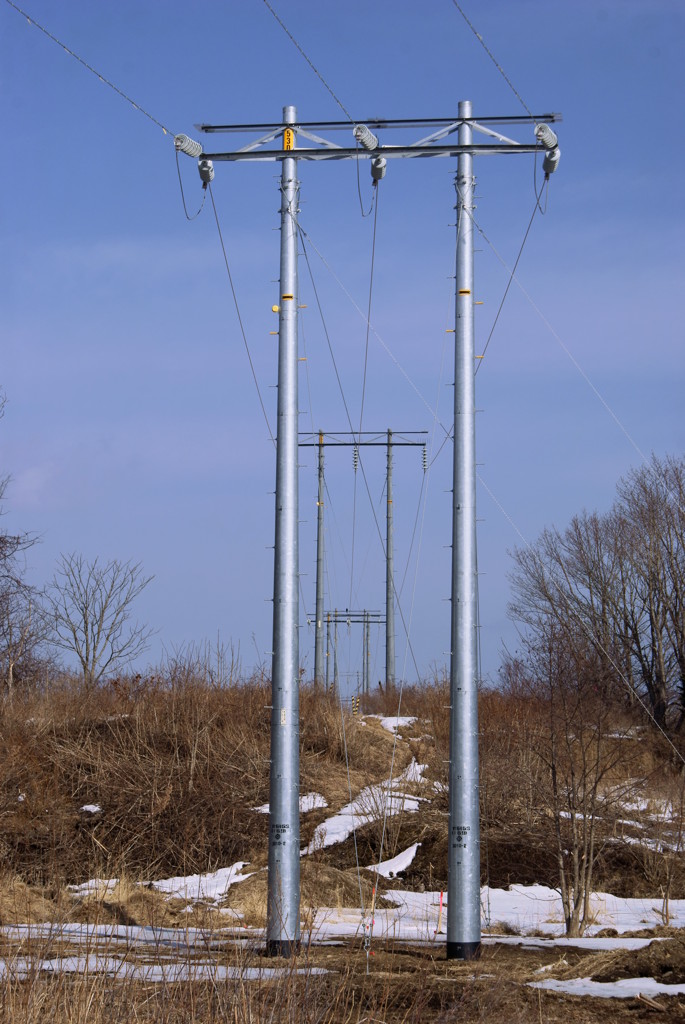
663,960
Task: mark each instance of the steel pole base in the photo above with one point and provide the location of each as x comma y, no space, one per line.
463,950
283,947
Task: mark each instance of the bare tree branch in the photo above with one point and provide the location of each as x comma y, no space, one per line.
90,605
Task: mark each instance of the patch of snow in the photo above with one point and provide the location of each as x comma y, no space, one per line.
394,723
626,988
91,808
210,886
98,886
162,972
658,845
391,868
413,772
369,806
599,945
635,805
537,908
308,802
174,939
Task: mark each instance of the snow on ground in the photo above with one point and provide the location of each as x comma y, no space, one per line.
523,908
534,912
530,908
627,988
391,868
127,970
415,917
395,722
95,886
369,806
308,802
413,773
210,886
164,941
658,845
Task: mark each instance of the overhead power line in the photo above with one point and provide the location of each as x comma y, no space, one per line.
509,282
595,390
493,59
240,319
93,71
316,71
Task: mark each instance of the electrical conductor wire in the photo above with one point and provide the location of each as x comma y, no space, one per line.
303,234
240,319
318,74
511,279
493,59
183,198
105,81
361,411
565,349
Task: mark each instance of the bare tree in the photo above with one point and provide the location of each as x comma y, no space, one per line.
650,513
580,746
22,636
617,581
90,605
19,606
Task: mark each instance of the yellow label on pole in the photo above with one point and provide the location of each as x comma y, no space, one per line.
288,139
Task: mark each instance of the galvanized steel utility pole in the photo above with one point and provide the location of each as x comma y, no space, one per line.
463,909
390,593
372,440
389,577
366,654
283,905
358,617
318,635
336,676
463,884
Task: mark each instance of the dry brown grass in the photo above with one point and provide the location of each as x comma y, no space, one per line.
20,903
178,764
397,985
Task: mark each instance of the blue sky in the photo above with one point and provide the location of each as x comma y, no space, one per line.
133,428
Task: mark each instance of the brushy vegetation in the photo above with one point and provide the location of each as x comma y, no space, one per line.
402,987
177,765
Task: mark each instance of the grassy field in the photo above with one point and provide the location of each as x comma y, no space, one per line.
151,778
